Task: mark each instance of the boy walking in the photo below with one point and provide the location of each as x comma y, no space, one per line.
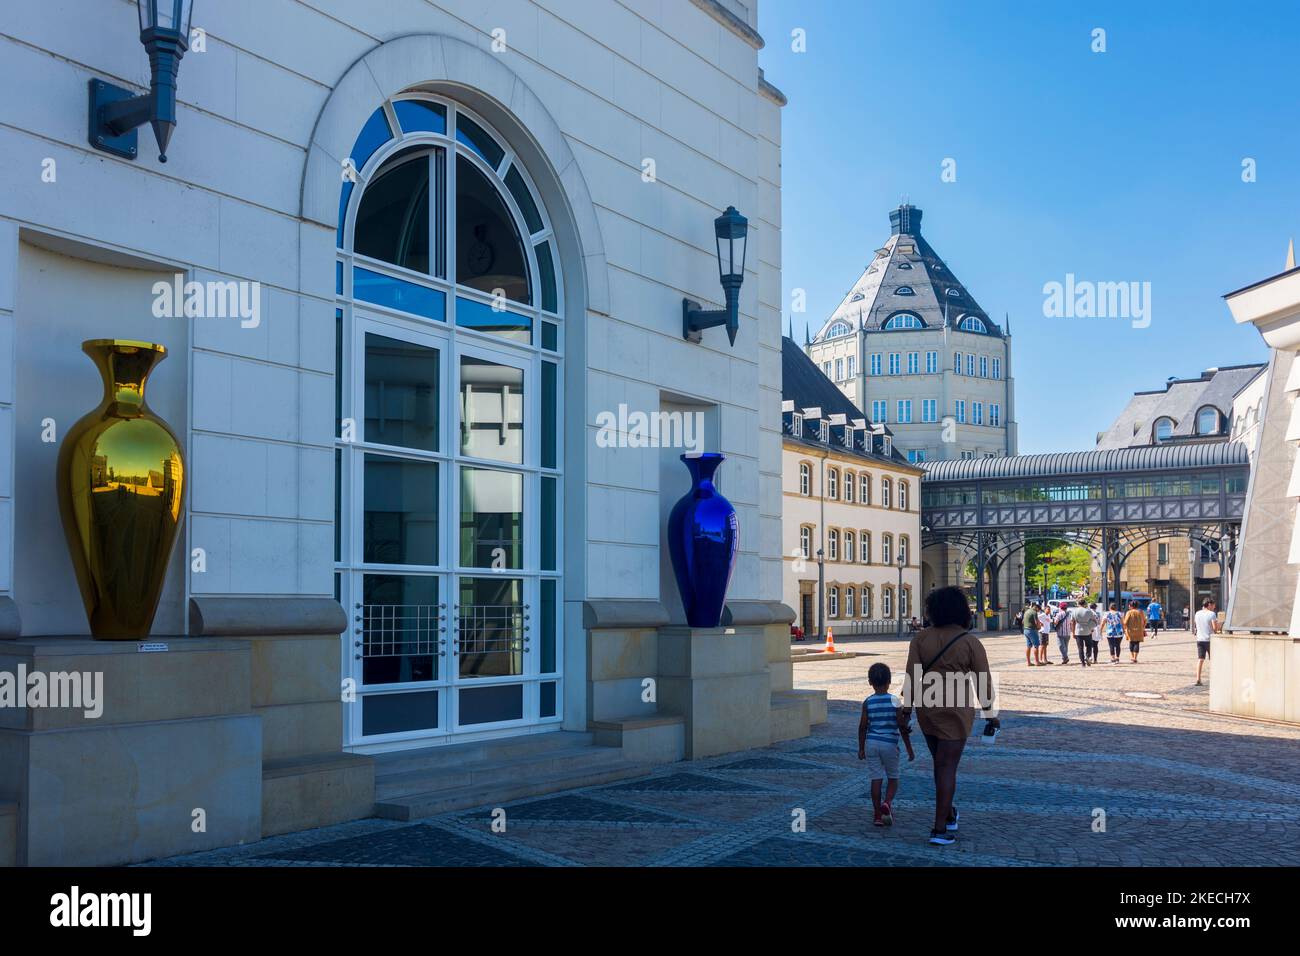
1207,625
882,723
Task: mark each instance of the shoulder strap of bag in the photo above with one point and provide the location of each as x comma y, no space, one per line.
928,664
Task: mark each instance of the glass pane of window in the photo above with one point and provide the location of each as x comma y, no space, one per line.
548,524
400,628
373,135
395,713
550,336
479,140
546,658
401,511
338,373
519,189
338,505
393,218
401,393
491,518
489,705
481,317
491,411
489,251
549,408
547,702
546,272
491,631
399,294
345,196
421,116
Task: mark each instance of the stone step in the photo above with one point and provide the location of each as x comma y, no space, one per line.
415,806
547,762
503,748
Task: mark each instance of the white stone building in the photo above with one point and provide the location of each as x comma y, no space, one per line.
911,347
467,230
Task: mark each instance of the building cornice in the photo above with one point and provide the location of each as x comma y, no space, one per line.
770,91
732,22
789,443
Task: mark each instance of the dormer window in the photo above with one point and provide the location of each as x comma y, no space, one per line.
838,329
1208,421
887,446
848,436
796,425
952,293
905,265
1163,429
823,431
904,290
903,320
857,297
970,323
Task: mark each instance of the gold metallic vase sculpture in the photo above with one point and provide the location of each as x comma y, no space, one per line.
121,482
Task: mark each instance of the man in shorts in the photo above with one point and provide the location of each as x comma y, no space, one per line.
1207,625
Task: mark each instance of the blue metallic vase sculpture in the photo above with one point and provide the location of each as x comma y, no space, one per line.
702,540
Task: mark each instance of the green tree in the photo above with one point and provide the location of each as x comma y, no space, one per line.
1066,564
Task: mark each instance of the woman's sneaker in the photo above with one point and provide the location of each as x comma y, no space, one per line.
878,821
942,838
953,817
887,814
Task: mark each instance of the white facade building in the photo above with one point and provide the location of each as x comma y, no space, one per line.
911,347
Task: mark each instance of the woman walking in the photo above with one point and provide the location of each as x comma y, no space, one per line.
1135,628
1114,627
942,662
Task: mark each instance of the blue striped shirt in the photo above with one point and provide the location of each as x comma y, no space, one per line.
882,715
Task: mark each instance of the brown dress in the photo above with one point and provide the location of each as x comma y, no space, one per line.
966,656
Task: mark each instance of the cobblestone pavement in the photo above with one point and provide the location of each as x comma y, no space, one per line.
1174,784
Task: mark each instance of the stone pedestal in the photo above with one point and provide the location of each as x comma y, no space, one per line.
172,763
1255,675
718,680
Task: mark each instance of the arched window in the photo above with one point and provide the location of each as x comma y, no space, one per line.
887,601
1207,421
849,543
838,329
805,478
832,483
848,602
449,387
905,265
864,489
833,545
970,323
902,496
1163,429
887,548
805,541
885,493
904,290
864,546
849,482
902,548
865,609
832,602
903,320
905,602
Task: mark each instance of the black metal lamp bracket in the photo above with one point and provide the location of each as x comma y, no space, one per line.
115,114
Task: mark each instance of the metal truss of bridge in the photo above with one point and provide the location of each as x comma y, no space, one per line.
1111,502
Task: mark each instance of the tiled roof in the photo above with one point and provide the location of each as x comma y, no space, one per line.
1179,400
805,386
906,262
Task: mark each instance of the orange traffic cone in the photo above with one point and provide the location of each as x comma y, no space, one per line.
830,641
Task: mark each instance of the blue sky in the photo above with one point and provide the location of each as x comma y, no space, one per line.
1122,166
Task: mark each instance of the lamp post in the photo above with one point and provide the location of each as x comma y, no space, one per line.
730,231
821,595
898,600
1191,579
115,112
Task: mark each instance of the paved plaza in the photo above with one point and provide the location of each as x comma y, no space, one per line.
1171,783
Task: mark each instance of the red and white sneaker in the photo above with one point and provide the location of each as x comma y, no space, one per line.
879,820
887,814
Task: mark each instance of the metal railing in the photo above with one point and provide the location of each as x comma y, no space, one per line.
864,627
397,630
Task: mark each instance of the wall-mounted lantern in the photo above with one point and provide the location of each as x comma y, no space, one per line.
115,112
731,230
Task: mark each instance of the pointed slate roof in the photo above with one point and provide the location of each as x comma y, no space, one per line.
1180,400
804,385
906,275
